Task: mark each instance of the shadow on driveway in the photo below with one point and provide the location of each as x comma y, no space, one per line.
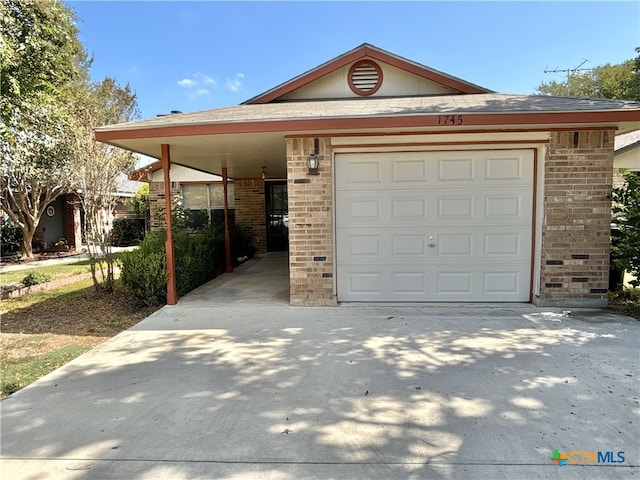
240,390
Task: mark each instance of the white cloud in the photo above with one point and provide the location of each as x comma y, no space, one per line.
201,92
187,82
234,84
206,79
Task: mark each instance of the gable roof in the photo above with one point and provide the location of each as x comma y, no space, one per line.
246,138
359,53
627,141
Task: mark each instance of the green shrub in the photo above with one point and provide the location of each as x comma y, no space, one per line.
144,274
625,248
626,301
127,231
197,255
143,271
10,238
34,278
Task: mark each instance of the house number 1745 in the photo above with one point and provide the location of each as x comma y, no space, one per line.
449,119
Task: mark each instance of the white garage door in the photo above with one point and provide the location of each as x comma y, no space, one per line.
434,226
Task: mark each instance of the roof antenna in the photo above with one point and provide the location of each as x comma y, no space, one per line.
569,72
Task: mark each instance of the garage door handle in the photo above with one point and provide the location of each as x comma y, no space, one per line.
432,245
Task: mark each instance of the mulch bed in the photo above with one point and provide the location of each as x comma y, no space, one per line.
84,313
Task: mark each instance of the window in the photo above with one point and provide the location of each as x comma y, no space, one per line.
204,203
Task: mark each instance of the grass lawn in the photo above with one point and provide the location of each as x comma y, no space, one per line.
45,330
54,271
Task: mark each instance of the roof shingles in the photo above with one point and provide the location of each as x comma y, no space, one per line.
486,103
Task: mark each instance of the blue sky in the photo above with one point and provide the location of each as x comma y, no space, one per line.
193,56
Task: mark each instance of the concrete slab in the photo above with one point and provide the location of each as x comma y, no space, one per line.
224,386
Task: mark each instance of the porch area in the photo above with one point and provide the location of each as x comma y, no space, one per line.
263,280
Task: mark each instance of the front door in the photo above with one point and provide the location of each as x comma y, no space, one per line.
277,216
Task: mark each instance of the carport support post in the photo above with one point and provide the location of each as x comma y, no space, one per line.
227,237
165,161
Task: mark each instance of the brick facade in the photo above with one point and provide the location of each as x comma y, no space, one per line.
156,203
310,224
577,218
250,210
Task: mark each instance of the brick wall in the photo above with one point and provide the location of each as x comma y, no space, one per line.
577,217
310,224
156,203
250,210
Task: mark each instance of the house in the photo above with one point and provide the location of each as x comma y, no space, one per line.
626,155
63,218
401,183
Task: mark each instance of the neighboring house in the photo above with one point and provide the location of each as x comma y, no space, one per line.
626,155
406,184
63,218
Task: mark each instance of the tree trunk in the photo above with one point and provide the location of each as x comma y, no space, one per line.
26,249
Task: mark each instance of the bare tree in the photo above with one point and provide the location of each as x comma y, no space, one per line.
97,167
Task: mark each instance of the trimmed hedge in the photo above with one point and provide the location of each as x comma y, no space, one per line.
127,232
143,271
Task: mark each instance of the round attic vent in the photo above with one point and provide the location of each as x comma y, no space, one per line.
365,77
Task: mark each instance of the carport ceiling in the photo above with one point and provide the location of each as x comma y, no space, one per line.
244,155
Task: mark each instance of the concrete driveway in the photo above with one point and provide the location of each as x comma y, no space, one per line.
234,383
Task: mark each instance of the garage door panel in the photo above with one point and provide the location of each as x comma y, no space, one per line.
444,245
505,168
363,172
507,244
405,284
483,284
364,246
455,207
361,209
457,169
410,207
434,226
365,284
501,283
504,244
456,283
503,206
403,245
407,171
367,245
455,245
386,170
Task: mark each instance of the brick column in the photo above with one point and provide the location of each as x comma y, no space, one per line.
577,219
310,224
72,222
250,210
